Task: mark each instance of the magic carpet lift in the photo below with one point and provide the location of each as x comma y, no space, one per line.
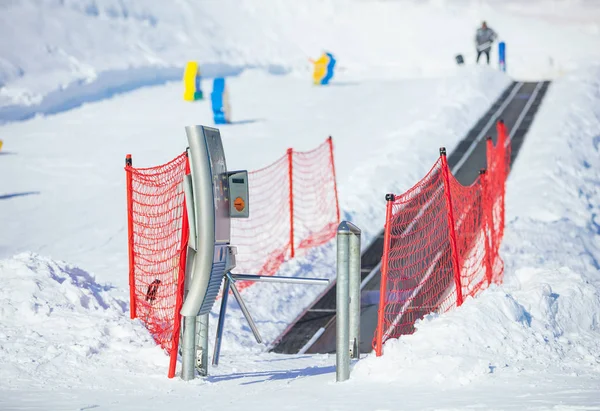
213,196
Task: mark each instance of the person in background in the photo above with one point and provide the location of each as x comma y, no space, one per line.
483,40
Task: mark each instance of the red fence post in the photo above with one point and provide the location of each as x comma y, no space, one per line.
492,183
185,235
487,220
337,204
505,153
384,272
291,178
451,227
501,132
129,177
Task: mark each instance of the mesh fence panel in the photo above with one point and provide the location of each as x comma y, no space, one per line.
263,239
316,212
419,263
467,204
293,207
498,160
158,234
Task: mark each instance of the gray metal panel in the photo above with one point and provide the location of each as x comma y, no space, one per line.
238,186
215,279
220,184
189,205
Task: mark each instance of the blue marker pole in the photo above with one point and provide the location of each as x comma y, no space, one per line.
216,98
502,56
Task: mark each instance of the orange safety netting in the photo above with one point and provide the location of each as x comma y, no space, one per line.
498,160
158,237
441,243
293,207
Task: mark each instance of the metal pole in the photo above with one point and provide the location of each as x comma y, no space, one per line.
187,348
202,345
221,323
354,274
278,279
342,353
246,313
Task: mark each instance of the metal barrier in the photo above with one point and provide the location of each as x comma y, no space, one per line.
347,298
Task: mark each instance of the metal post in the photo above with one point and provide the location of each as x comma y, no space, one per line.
354,274
202,345
187,348
221,323
278,279
345,242
246,313
342,354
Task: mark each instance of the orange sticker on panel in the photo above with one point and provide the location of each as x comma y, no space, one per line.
239,204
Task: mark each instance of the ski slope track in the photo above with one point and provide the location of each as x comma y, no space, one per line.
314,329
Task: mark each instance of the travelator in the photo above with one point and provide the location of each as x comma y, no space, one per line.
213,197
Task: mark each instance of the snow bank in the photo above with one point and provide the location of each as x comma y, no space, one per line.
64,53
59,326
547,314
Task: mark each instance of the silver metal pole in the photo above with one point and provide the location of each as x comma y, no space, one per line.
202,345
354,274
187,349
191,212
278,279
342,353
220,325
246,313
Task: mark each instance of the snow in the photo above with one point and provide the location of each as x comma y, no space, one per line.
546,316
124,44
66,340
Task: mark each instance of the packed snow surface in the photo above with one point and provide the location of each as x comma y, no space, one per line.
66,340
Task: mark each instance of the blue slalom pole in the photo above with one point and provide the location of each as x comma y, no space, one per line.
502,56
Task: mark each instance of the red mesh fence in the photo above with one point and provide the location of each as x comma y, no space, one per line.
418,263
441,243
467,206
158,236
263,240
498,160
293,207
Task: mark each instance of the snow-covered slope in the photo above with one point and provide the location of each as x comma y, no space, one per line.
59,54
65,337
546,317
532,343
67,196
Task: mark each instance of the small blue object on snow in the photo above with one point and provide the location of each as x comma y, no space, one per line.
219,101
502,55
330,67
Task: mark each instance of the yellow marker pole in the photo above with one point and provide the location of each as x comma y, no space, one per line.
189,81
320,69
0,145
